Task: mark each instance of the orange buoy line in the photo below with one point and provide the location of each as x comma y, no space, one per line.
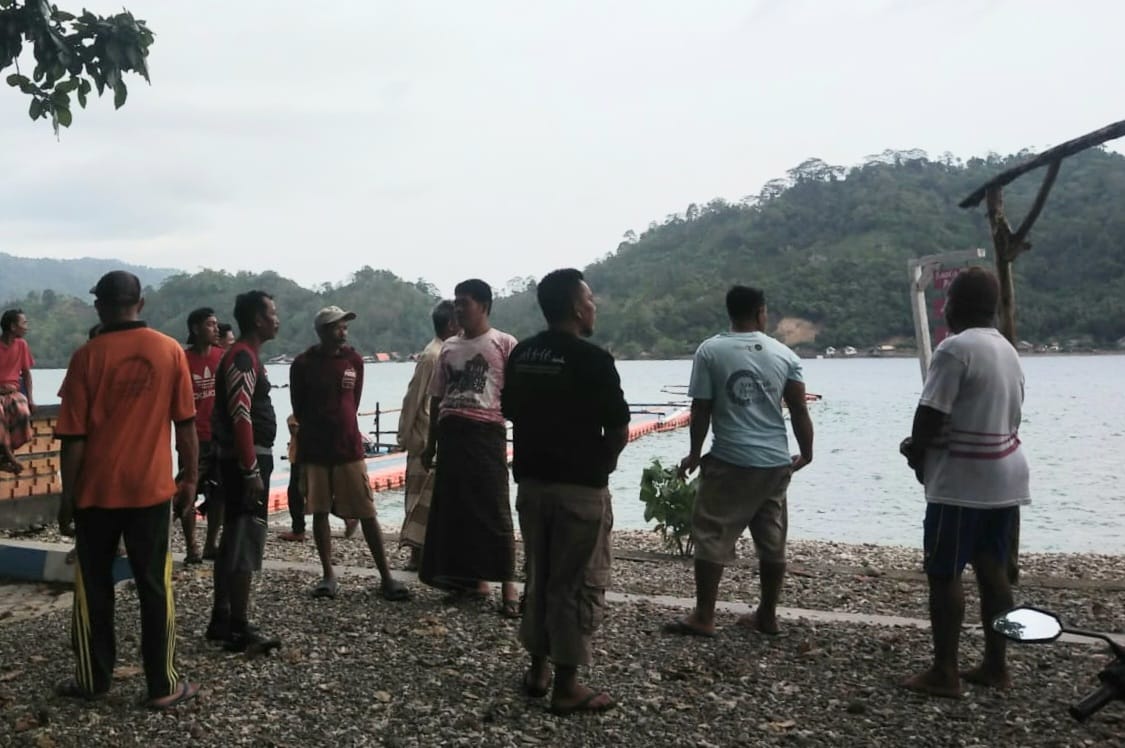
388,471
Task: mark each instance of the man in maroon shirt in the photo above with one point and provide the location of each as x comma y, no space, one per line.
325,385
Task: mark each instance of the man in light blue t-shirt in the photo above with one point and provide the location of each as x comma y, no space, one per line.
738,382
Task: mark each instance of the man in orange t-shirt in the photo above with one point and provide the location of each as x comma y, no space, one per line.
122,392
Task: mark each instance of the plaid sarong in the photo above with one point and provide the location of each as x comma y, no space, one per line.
469,535
15,418
419,491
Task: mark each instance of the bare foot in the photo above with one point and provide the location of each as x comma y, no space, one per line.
689,626
985,677
933,683
757,622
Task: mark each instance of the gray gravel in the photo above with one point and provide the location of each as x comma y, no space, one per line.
361,671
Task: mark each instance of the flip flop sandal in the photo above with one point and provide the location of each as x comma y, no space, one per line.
510,609
395,592
585,706
193,559
326,588
71,690
682,628
530,689
464,595
185,692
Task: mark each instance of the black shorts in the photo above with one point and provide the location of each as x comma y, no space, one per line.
208,469
955,535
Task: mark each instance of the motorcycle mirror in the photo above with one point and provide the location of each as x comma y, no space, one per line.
1027,624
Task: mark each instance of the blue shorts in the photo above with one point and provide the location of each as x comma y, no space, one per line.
955,535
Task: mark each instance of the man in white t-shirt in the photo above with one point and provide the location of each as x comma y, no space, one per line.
738,381
965,449
470,540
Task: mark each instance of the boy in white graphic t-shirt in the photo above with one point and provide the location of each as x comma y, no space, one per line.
965,449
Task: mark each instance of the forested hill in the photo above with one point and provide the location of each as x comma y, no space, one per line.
393,314
830,246
21,275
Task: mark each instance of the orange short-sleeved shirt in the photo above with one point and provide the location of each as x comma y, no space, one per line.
122,392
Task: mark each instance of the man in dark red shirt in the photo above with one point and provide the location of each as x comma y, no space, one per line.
243,427
325,385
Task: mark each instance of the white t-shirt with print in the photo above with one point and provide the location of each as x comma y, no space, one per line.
975,379
469,375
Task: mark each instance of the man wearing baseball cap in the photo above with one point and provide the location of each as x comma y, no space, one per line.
122,394
326,385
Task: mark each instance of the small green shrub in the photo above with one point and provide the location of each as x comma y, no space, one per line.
670,501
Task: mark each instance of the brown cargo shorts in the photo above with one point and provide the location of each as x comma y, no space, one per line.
732,499
566,535
343,490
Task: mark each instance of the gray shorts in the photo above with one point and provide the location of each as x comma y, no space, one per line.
243,543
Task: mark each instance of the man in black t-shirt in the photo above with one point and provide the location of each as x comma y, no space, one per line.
570,422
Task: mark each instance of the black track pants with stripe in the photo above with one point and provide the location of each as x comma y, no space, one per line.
97,534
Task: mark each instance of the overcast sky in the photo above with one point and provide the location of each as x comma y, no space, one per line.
459,139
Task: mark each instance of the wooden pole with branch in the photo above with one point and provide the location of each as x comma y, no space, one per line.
1008,245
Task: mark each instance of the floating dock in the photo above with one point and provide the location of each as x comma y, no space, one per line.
387,472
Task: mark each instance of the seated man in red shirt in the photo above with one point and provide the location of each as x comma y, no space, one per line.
16,401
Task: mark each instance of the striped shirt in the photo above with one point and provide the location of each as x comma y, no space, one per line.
975,378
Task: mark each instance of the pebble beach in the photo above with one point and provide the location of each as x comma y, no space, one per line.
361,671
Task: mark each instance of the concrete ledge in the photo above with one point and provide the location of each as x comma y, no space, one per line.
46,562
23,512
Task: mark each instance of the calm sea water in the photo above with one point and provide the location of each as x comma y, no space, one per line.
858,489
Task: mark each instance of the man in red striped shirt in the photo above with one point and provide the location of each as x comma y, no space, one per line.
965,449
244,427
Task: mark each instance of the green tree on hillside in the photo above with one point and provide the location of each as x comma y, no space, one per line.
830,245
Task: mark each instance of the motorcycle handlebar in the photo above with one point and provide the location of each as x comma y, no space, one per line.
1093,702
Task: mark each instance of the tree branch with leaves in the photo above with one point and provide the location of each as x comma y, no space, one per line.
73,55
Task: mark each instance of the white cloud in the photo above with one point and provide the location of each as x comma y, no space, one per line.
498,139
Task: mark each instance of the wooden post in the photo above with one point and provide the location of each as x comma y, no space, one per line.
1008,244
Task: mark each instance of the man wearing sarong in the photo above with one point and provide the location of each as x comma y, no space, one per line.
122,392
570,422
414,430
16,400
469,539
325,387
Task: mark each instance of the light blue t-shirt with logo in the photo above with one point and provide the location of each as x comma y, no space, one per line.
743,374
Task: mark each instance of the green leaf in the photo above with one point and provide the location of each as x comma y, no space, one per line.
62,15
119,94
64,116
36,109
15,79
